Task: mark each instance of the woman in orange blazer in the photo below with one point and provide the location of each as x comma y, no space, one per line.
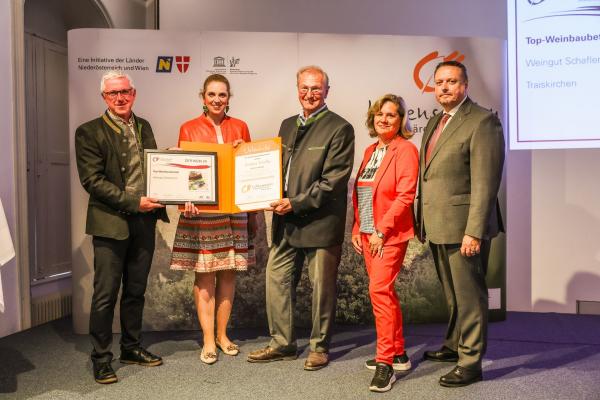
214,246
384,192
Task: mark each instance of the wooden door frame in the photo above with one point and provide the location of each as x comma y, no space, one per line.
22,226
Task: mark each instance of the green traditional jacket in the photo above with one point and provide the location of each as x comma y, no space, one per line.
322,154
102,156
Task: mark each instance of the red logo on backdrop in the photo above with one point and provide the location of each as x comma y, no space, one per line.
183,63
424,84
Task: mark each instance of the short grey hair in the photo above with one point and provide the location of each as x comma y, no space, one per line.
113,75
313,68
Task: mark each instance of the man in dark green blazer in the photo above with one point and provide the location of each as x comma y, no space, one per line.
461,161
109,153
309,221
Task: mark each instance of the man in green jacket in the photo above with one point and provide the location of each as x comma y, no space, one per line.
109,153
308,222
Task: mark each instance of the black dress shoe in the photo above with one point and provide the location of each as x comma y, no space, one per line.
103,373
444,355
140,356
461,376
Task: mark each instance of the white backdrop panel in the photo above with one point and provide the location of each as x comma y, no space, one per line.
261,68
364,67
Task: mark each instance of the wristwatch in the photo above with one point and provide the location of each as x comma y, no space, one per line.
379,234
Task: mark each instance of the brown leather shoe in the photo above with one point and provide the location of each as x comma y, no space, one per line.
269,354
316,361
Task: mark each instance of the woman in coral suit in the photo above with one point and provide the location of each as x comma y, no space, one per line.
383,198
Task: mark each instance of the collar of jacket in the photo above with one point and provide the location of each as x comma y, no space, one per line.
207,121
113,125
391,146
312,118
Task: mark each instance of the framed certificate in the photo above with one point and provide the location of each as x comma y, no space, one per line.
175,177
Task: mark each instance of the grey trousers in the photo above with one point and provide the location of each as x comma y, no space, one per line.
284,269
463,283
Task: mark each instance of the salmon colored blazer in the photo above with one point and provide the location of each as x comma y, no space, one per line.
201,129
393,191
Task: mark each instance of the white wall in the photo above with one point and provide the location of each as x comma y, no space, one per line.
10,320
130,14
553,217
566,228
485,18
45,21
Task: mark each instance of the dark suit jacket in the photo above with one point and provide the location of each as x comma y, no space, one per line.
322,158
102,157
458,190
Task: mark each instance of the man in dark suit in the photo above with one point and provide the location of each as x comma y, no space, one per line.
461,160
109,152
309,222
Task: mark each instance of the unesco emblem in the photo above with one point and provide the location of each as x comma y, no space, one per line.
219,62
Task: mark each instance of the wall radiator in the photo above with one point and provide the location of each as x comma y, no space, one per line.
48,308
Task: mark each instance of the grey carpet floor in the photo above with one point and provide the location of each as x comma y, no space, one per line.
530,356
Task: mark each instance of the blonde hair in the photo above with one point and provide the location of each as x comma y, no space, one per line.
405,130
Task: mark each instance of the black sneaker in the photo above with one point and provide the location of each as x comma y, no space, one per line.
140,356
104,373
400,363
384,378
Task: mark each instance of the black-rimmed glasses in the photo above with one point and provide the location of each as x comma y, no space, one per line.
113,94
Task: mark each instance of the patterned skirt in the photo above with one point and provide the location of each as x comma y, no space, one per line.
212,242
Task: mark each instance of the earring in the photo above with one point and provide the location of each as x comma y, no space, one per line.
205,109
226,109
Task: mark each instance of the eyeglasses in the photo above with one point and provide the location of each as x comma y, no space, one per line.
316,90
113,94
